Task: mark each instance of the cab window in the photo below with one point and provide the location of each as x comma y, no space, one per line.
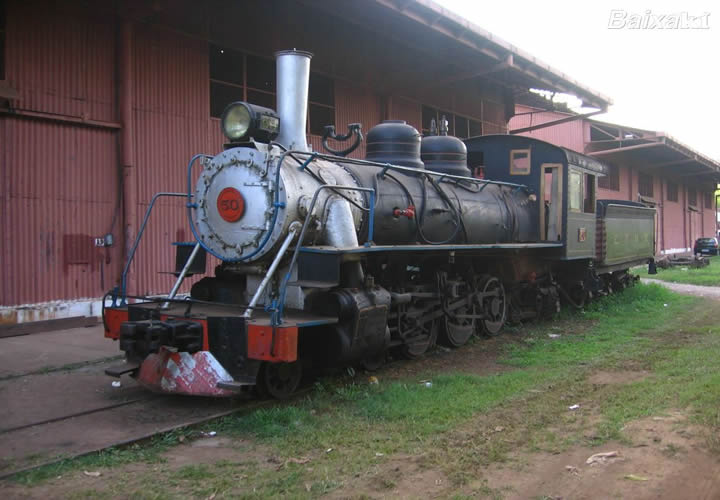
575,191
520,162
589,200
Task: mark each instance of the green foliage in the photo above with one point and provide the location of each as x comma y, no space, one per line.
706,276
617,322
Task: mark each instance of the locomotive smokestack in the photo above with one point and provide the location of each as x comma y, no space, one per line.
293,78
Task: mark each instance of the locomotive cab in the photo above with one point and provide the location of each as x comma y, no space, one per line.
564,183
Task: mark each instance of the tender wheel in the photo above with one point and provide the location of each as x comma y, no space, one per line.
419,344
494,306
279,380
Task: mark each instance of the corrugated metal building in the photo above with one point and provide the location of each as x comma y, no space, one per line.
646,166
103,103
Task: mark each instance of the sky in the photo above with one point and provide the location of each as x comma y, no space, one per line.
658,79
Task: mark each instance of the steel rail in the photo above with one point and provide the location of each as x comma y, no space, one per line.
52,420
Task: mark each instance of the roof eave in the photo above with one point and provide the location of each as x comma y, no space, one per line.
473,36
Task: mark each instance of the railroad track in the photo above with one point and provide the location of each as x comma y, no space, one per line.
73,415
100,413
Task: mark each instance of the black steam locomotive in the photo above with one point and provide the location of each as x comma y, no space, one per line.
333,261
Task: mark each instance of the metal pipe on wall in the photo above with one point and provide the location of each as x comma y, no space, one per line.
127,144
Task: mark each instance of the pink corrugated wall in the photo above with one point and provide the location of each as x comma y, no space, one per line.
60,59
355,104
59,180
172,123
405,109
569,134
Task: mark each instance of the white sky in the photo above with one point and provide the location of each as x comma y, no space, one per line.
665,80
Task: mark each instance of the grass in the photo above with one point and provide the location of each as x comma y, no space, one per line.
342,435
706,276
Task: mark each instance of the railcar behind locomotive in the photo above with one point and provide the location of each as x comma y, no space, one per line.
332,261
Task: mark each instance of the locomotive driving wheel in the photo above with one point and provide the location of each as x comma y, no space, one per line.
279,380
417,336
494,305
458,323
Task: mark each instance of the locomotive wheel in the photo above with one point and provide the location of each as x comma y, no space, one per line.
494,307
454,331
279,380
420,344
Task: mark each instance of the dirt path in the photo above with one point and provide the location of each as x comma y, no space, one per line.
710,292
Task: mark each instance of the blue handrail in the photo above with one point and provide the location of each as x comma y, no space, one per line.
131,255
279,304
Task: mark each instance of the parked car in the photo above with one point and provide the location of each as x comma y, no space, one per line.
707,246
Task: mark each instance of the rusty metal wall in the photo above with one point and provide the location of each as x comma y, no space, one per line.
172,123
405,109
61,193
354,103
60,59
59,180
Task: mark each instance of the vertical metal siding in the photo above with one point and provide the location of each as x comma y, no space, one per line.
61,193
172,123
60,181
356,104
405,109
60,60
569,134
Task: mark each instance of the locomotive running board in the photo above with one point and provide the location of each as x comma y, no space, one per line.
118,370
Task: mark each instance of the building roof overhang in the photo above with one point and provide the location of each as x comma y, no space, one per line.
655,152
478,53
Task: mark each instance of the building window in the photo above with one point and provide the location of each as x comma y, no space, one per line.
575,198
235,76
692,197
708,200
227,79
672,191
612,180
321,109
645,185
459,126
520,162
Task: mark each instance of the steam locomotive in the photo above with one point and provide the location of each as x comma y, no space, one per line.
333,261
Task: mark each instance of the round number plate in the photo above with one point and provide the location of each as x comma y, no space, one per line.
230,204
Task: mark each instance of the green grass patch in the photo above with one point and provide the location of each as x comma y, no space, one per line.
706,276
618,322
685,377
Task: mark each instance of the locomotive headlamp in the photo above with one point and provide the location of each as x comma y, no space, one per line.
242,121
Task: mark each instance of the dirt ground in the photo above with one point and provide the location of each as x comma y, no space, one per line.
709,292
